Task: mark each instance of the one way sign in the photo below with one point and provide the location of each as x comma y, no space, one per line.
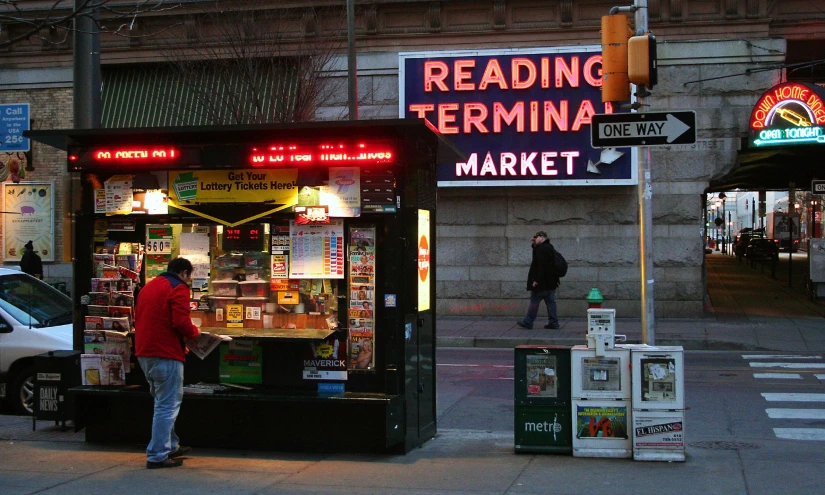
614,130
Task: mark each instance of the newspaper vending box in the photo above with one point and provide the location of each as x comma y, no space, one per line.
542,399
658,403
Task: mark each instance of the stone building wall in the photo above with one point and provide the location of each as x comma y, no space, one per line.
50,107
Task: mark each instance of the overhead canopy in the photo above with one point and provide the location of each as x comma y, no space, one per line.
774,168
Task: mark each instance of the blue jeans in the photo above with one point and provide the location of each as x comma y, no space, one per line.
165,377
536,297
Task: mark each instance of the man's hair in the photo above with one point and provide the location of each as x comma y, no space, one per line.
179,265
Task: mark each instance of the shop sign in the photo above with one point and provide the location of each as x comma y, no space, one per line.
789,114
325,361
521,116
28,216
227,186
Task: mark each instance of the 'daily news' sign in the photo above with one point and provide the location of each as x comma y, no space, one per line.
521,116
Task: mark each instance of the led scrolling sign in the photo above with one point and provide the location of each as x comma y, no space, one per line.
789,114
277,155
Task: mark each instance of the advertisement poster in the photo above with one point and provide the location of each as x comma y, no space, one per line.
118,195
317,250
234,315
601,422
541,376
343,194
666,433
227,186
325,361
240,362
158,249
29,216
423,260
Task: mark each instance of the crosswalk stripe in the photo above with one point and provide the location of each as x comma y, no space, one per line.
800,433
796,413
783,376
819,377
778,356
770,397
788,365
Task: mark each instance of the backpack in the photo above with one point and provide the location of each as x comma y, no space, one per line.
559,264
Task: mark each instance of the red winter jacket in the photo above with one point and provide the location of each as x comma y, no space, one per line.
162,318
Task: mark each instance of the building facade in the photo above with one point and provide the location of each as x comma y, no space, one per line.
716,57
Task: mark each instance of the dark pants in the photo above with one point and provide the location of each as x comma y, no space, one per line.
536,297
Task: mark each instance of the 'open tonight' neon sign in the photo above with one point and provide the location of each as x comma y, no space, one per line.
789,114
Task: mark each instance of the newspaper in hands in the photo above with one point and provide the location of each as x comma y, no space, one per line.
205,343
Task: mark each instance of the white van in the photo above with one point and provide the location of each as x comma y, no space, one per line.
34,318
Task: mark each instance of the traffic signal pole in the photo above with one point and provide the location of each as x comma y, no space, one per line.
645,199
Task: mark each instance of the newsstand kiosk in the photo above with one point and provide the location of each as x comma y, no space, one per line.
313,247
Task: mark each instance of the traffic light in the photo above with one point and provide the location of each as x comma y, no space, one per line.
641,60
615,34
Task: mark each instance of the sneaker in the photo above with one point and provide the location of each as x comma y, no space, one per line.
524,325
552,327
167,463
181,450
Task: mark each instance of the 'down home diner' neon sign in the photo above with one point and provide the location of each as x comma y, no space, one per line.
789,114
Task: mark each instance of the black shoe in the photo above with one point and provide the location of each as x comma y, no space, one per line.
181,450
552,327
523,325
164,464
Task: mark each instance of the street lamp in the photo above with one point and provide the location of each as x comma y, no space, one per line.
722,196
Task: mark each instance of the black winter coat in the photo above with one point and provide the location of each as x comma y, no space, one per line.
541,269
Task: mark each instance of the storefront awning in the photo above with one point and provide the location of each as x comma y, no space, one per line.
773,169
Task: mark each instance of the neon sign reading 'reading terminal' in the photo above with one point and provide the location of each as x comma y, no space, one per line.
325,153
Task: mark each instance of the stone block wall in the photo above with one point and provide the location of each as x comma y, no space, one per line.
50,107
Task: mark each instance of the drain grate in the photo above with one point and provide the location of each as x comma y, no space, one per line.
725,445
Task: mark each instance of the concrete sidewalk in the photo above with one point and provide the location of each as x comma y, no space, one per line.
747,309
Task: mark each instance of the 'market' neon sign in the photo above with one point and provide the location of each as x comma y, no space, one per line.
789,114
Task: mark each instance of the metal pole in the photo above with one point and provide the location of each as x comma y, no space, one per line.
724,230
87,80
352,66
645,198
791,214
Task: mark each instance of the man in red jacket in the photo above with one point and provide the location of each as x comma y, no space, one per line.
161,323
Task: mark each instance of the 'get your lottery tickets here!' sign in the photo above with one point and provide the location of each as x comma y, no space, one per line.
522,117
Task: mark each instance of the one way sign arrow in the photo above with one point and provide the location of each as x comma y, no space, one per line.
643,129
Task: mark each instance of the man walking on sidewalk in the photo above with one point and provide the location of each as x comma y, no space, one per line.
162,321
541,282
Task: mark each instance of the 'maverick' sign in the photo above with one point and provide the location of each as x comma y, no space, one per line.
522,117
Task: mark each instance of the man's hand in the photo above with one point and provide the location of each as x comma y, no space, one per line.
535,284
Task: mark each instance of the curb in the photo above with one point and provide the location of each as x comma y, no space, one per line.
509,343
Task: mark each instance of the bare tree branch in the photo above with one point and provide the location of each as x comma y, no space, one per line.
22,21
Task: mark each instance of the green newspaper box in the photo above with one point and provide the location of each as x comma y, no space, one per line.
542,399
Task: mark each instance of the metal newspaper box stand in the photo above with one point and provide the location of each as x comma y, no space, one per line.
542,399
56,373
600,391
658,403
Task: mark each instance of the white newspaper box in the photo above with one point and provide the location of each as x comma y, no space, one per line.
658,403
601,408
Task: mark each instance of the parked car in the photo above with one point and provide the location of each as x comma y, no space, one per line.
744,238
34,318
762,250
